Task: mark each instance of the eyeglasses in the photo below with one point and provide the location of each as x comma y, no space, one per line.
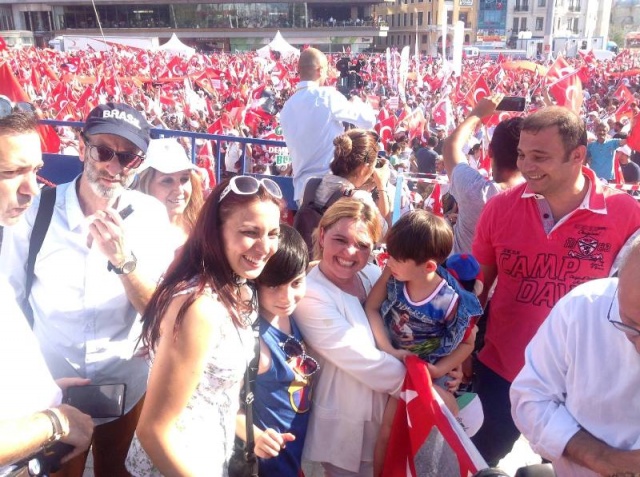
249,185
127,160
294,349
632,331
7,107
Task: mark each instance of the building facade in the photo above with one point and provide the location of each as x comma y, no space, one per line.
330,25
421,19
576,22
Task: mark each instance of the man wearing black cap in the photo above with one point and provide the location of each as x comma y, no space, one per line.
104,250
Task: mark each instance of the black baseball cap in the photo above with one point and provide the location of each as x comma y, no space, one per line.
120,120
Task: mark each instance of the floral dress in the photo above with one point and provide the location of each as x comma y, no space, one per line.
206,427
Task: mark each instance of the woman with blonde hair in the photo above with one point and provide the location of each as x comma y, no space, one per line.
168,175
331,317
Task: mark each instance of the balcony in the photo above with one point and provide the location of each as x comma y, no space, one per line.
521,7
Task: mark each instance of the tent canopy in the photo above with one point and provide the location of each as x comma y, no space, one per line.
174,45
280,45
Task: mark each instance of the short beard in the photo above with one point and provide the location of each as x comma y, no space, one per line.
93,176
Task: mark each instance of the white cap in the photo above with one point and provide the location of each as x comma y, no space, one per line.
167,156
626,150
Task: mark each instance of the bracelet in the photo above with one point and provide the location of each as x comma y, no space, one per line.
56,424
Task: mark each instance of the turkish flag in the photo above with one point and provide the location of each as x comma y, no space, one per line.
617,171
10,87
221,125
622,93
3,44
385,129
634,136
479,90
558,69
434,201
624,110
567,92
442,114
426,440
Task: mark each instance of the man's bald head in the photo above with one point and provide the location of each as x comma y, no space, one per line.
312,65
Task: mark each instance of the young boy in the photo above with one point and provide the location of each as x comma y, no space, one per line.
440,311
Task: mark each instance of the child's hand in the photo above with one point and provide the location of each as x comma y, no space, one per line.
400,354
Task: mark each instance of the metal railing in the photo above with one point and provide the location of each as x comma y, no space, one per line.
60,168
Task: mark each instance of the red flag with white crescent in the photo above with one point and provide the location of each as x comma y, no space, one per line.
558,69
426,440
479,90
385,129
568,92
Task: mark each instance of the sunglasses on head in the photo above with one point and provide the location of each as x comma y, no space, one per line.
7,107
249,185
294,349
127,160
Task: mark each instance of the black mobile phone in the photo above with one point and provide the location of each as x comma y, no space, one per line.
512,103
98,400
126,212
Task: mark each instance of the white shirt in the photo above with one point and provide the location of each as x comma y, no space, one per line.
83,319
355,378
27,385
311,119
580,371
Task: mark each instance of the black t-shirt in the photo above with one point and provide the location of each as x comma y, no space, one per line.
426,160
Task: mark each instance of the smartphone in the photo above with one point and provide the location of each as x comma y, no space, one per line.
98,400
126,212
512,103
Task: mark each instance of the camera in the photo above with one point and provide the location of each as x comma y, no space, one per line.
350,79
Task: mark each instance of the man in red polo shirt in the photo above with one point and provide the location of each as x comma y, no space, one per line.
540,239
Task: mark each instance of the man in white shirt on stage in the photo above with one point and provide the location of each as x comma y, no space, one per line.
312,118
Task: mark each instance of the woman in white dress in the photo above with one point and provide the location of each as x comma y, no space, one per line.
197,329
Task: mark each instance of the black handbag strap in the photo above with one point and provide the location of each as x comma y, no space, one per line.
40,227
249,385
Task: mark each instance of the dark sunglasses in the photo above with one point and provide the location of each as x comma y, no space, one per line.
294,349
7,107
127,160
632,331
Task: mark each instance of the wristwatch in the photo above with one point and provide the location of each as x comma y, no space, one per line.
128,266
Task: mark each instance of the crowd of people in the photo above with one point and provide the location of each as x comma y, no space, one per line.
137,273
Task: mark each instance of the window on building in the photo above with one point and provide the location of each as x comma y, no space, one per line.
420,18
575,27
516,22
539,23
542,3
411,19
428,18
393,20
523,24
425,38
405,19
404,40
449,18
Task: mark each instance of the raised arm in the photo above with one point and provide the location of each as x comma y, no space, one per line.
452,150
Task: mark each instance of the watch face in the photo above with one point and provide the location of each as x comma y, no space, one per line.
129,266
